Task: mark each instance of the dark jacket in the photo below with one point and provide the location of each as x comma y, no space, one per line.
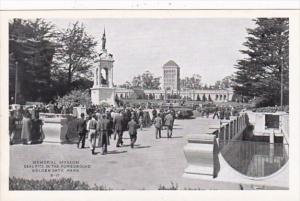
81,126
169,120
118,123
103,125
132,128
157,122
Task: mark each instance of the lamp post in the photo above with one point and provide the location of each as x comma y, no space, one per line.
281,83
16,82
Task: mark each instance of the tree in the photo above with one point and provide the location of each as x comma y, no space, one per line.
203,98
76,53
75,98
126,85
225,83
30,54
198,98
193,82
145,81
267,56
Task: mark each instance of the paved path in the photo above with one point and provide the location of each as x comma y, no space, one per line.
152,163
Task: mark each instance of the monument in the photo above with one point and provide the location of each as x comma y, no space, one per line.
103,90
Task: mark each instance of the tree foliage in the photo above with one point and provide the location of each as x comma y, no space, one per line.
31,52
49,62
267,56
75,53
225,83
75,98
193,82
144,81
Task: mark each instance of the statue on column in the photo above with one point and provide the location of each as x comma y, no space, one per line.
103,40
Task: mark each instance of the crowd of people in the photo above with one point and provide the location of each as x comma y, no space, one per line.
31,126
99,124
219,112
103,124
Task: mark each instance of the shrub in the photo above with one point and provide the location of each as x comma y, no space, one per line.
75,98
173,186
52,184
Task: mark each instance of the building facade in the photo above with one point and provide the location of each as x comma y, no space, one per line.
171,77
171,88
214,95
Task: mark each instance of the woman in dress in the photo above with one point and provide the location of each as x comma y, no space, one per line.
26,128
36,131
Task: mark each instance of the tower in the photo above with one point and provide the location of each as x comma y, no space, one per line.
171,75
103,88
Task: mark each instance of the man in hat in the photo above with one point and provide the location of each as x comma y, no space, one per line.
92,136
132,130
157,124
103,127
169,124
118,127
81,130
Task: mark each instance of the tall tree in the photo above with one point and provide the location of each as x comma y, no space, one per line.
267,56
76,53
31,52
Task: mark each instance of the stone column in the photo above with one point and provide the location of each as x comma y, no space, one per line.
200,155
110,77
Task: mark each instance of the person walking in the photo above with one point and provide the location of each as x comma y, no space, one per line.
132,130
169,124
92,136
26,128
222,113
154,114
36,130
118,127
12,127
227,114
81,130
141,122
216,113
103,127
157,124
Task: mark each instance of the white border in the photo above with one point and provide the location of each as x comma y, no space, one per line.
290,195
148,4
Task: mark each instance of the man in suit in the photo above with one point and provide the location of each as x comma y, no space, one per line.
103,127
132,130
92,136
81,130
157,124
118,127
169,124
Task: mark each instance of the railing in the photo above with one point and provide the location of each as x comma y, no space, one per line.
255,159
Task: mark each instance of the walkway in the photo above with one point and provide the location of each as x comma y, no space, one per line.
152,163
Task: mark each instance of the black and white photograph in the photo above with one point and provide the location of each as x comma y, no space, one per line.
148,103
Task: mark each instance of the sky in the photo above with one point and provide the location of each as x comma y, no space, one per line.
208,47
